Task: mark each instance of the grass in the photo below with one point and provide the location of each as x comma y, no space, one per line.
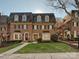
10,46
47,48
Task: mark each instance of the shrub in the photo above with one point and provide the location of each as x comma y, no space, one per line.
54,37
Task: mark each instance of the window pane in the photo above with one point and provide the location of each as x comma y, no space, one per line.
16,17
47,18
24,18
39,18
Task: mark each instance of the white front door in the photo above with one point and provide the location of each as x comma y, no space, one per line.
46,36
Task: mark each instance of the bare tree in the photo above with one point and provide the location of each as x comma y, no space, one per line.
63,4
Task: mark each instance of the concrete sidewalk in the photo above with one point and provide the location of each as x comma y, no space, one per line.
43,56
9,52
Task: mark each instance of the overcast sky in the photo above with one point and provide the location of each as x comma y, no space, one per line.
35,6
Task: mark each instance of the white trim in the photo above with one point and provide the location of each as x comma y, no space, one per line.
24,35
33,35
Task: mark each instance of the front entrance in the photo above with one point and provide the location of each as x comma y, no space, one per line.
46,36
35,36
26,36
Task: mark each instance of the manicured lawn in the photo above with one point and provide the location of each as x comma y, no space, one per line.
11,45
47,48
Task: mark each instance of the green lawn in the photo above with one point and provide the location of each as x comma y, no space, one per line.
11,45
47,48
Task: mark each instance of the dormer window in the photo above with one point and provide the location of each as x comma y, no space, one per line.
46,18
24,18
16,18
38,18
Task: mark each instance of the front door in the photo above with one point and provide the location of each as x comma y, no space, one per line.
36,36
26,36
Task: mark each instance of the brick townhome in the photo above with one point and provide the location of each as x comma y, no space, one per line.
71,25
28,26
3,26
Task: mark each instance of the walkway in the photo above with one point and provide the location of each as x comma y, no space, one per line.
43,56
13,50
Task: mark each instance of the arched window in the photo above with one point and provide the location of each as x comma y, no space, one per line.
16,18
46,18
38,18
24,18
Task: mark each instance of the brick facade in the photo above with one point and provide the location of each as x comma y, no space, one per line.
32,28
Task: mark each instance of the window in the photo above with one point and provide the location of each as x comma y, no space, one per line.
17,26
75,34
25,26
45,27
46,18
76,14
75,24
32,26
35,27
39,18
17,36
24,18
42,27
16,17
50,26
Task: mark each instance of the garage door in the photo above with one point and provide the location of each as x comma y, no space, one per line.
46,36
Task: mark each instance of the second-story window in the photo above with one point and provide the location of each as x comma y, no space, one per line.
75,24
16,18
38,18
46,18
24,18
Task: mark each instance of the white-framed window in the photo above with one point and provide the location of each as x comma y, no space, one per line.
75,24
46,18
35,27
38,18
17,36
16,17
24,18
76,14
42,27
50,26
24,26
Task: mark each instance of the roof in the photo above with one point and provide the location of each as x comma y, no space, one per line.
3,19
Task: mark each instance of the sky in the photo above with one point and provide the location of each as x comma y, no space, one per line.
34,6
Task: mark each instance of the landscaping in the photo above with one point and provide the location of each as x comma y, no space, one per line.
52,47
9,46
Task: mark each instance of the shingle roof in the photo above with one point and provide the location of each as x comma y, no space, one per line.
3,19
